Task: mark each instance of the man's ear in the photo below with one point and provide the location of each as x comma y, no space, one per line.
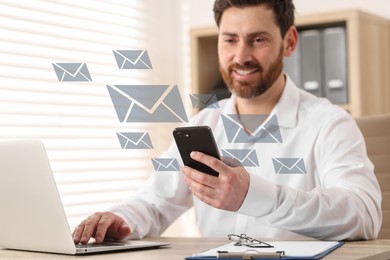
290,41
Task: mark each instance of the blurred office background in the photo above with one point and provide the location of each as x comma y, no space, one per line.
77,121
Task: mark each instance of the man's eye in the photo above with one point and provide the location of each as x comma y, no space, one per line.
229,40
258,39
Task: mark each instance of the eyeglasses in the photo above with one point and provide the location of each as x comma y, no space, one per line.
244,240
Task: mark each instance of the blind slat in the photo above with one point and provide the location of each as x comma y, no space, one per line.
76,120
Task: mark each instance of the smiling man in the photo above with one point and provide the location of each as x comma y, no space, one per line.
330,192
251,56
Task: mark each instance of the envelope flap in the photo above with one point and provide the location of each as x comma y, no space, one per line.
239,154
173,101
252,122
250,128
122,139
70,68
131,55
134,137
272,126
165,162
194,100
132,59
205,98
245,157
135,140
145,95
289,163
122,103
231,126
253,156
145,59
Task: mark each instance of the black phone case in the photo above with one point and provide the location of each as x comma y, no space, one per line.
196,138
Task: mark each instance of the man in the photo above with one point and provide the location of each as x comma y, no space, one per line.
334,196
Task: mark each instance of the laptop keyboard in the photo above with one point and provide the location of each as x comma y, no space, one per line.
98,245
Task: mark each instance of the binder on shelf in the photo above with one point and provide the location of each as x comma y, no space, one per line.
292,66
335,65
311,61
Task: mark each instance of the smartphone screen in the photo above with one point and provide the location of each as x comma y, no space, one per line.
196,138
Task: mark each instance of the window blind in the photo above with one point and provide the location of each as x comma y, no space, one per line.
76,120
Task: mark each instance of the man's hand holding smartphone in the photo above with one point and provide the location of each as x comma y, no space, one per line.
225,190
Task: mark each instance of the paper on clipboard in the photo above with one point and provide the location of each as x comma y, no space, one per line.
292,249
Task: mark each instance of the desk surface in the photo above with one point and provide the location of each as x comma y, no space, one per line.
182,247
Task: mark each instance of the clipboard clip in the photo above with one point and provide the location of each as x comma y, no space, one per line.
250,254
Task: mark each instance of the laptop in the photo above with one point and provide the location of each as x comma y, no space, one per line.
32,216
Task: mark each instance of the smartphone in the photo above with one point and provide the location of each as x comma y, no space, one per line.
196,138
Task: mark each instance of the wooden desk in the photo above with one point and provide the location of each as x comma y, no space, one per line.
182,247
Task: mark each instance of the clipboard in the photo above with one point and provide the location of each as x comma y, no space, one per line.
293,250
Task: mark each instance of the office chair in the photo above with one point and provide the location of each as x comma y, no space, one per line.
376,132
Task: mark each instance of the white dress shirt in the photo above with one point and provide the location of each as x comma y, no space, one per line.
337,197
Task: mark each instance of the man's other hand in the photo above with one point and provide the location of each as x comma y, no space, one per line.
101,225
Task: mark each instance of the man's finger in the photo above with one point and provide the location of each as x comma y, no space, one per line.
77,233
210,161
104,223
199,177
89,228
198,187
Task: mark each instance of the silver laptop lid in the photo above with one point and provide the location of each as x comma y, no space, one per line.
31,212
32,216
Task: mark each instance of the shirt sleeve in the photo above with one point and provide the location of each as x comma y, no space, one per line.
163,199
157,204
346,203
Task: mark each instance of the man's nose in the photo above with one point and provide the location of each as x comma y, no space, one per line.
243,54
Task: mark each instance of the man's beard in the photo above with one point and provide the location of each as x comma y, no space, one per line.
248,89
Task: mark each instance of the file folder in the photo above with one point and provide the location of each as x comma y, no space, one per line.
311,61
335,62
292,66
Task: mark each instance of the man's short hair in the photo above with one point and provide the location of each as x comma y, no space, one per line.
283,10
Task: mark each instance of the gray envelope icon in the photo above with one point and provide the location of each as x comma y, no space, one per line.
135,140
289,165
132,59
248,128
201,101
165,164
72,71
246,157
147,103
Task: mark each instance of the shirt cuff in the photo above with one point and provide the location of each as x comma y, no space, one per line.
260,198
118,210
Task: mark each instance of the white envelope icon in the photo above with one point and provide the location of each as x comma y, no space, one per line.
201,101
165,164
135,140
132,59
72,71
289,165
249,128
147,103
245,157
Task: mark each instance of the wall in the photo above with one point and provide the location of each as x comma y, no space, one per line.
378,7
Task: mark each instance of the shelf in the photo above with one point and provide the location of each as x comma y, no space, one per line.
368,62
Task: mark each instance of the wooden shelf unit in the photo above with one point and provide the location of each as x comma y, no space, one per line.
368,47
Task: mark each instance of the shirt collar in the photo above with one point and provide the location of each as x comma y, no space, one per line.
286,109
231,107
